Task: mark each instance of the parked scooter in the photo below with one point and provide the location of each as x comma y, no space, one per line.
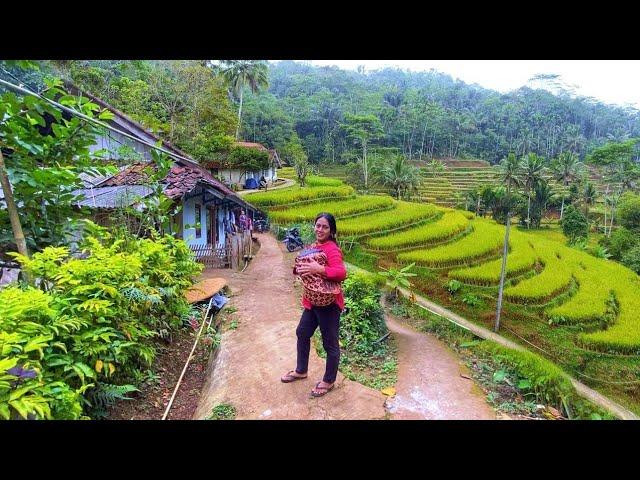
261,226
292,239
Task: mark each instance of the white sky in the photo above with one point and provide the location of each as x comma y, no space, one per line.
610,81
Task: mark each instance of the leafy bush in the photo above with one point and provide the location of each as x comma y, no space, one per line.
223,411
629,211
632,259
94,325
621,241
471,300
453,286
362,322
574,224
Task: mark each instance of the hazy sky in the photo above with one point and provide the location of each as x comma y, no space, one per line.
610,81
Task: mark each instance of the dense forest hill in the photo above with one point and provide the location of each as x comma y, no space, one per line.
426,114
421,114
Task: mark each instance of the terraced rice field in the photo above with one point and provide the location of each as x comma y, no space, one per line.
568,286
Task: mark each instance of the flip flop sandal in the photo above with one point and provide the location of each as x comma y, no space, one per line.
323,390
288,378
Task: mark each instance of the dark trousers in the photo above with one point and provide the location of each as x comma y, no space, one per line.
328,319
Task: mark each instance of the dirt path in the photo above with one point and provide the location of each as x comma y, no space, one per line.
287,183
246,372
430,385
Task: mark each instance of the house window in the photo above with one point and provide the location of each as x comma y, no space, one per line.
198,209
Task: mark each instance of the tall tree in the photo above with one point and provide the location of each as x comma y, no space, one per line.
589,195
533,167
565,168
242,73
510,176
363,129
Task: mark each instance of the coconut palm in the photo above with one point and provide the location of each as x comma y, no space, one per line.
533,168
510,176
566,168
589,194
239,74
399,175
543,195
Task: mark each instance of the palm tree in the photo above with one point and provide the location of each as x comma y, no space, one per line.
588,197
565,169
510,178
400,175
533,169
239,74
543,195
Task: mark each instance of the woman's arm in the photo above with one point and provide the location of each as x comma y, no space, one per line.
335,269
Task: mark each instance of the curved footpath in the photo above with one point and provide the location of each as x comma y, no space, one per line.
246,372
252,358
287,183
431,384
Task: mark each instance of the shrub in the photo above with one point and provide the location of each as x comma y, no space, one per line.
362,322
621,241
629,211
632,259
93,327
574,224
471,300
453,286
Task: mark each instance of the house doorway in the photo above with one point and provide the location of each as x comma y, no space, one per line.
212,225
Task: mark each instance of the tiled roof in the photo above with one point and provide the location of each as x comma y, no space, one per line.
181,179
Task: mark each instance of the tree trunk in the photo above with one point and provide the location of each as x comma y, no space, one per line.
613,214
503,271
239,113
606,194
562,208
365,166
529,210
12,209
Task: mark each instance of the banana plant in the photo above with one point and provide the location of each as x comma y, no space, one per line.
398,277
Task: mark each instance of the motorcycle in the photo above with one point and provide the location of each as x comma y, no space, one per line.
261,226
292,239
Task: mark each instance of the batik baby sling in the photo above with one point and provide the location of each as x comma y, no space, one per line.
319,291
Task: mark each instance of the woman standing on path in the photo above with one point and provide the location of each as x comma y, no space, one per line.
326,317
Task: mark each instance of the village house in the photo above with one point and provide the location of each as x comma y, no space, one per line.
208,220
241,177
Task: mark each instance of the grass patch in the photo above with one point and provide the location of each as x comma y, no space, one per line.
223,411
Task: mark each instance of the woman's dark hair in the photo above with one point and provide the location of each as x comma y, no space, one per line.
332,224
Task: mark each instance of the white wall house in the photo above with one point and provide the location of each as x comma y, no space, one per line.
237,176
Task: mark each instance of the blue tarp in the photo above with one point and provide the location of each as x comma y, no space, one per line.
251,183
219,300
